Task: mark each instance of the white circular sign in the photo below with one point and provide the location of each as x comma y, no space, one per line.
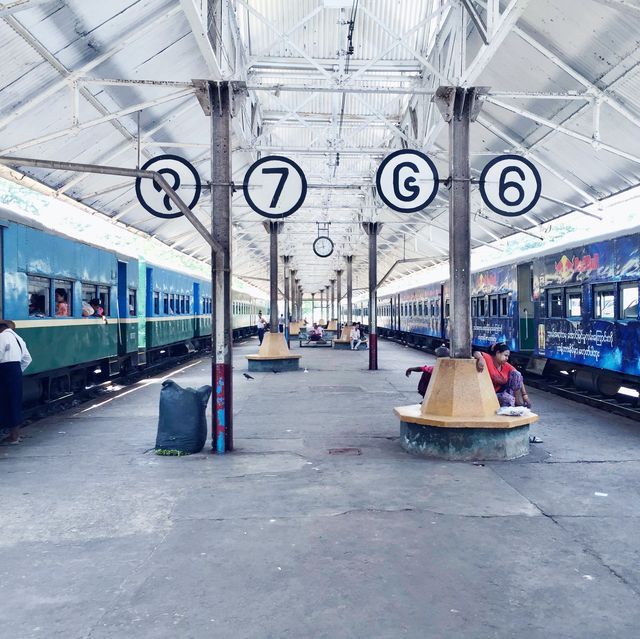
407,181
275,186
510,185
181,176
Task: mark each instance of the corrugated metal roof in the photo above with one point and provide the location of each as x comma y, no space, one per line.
580,46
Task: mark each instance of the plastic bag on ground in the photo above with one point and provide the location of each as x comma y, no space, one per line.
514,411
182,424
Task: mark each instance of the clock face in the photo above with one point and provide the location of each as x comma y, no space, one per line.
323,246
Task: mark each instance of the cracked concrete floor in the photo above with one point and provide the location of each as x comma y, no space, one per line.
101,538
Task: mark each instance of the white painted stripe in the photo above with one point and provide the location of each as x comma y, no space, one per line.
139,386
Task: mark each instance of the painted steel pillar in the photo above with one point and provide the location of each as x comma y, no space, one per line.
293,295
326,303
220,95
273,228
322,304
313,308
349,259
459,107
297,309
333,300
338,296
285,326
372,229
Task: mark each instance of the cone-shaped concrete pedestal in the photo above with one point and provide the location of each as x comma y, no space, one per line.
457,419
274,355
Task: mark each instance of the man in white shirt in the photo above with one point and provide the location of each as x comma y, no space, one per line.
261,325
14,359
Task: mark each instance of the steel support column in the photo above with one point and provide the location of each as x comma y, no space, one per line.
338,296
221,325
333,300
322,304
313,308
326,303
372,229
459,107
349,260
285,326
273,228
297,310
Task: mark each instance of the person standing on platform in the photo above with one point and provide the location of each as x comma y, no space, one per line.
281,323
261,324
14,359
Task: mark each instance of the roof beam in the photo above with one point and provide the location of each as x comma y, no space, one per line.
133,34
9,8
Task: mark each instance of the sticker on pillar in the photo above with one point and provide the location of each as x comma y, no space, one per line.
275,186
180,175
510,185
407,181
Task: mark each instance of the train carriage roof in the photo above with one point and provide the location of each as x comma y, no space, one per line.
335,85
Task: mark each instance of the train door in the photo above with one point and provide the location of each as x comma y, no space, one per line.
526,327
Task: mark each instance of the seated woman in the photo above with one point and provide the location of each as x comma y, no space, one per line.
507,381
62,304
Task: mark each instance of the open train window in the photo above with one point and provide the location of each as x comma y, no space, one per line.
504,305
38,289
156,303
573,302
447,308
493,306
63,292
554,303
103,296
482,306
628,301
604,302
133,304
165,303
474,307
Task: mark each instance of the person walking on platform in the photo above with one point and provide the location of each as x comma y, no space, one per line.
261,324
14,359
281,323
507,381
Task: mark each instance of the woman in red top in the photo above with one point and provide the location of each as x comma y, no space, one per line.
507,381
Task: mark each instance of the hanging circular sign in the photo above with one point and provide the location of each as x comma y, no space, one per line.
323,246
181,176
510,185
407,181
275,186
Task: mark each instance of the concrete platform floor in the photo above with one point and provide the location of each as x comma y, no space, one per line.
100,538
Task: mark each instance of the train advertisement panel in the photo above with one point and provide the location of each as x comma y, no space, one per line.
494,307
604,333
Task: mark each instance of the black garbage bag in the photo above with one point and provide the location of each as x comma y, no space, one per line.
182,425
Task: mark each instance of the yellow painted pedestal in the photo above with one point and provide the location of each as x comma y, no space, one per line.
457,419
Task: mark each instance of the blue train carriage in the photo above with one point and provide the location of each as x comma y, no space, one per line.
244,313
494,307
49,282
203,309
421,315
174,302
587,308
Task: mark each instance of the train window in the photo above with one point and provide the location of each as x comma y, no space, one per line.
573,302
493,306
187,304
133,302
63,293
504,305
604,302
415,308
629,301
38,289
554,297
103,296
447,308
482,306
474,307
156,303
172,304
165,303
